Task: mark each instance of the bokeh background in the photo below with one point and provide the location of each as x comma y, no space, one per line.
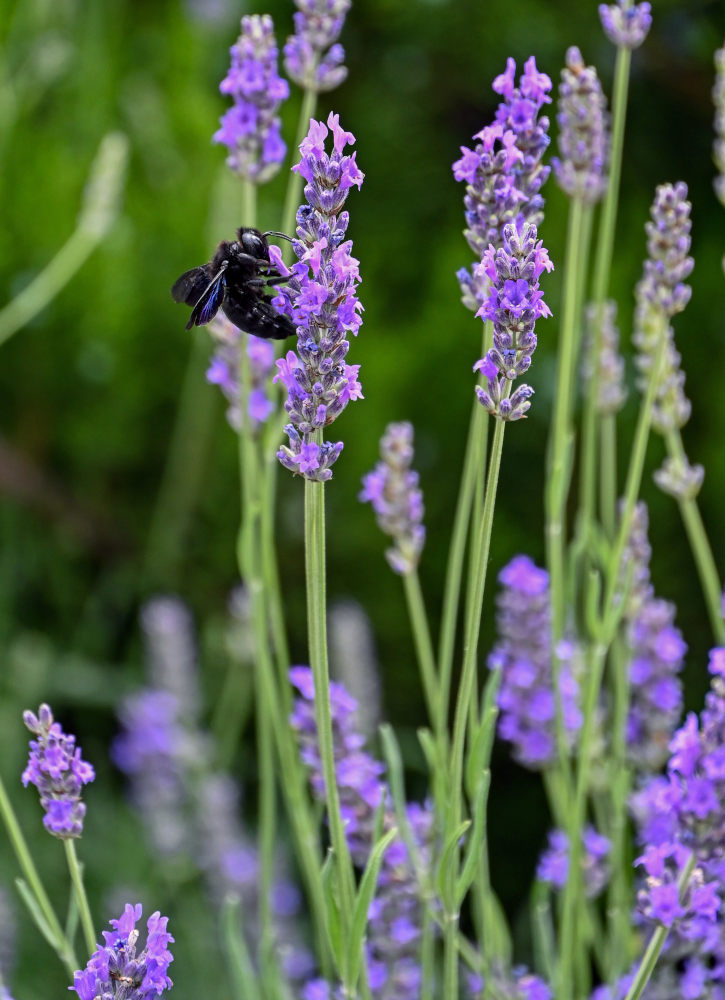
89,391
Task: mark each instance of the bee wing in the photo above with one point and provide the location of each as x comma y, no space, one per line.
209,301
190,285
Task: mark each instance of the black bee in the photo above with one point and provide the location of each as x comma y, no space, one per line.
236,279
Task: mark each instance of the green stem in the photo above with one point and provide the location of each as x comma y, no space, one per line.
63,947
699,544
317,637
657,941
602,272
80,893
466,689
184,470
99,210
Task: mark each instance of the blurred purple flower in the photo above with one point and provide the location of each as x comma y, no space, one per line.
250,129
583,138
223,371
57,770
526,697
553,867
392,489
626,25
312,56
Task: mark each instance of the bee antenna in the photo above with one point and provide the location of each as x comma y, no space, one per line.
281,236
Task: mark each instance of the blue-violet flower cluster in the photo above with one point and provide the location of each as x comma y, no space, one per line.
504,172
553,867
313,57
392,489
321,298
626,25
117,972
526,697
57,770
513,305
224,371
250,129
583,139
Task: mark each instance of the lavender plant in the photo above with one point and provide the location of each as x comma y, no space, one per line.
583,683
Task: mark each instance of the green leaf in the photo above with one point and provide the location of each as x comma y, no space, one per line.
37,915
333,922
241,970
448,859
476,842
365,895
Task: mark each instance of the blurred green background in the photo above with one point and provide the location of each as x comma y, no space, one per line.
89,390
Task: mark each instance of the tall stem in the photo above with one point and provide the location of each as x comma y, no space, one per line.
317,638
79,888
63,947
700,546
294,183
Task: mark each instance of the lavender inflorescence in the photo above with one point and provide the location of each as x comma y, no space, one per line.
117,971
250,129
718,149
58,771
626,25
321,299
553,867
660,294
504,172
224,371
609,365
583,139
392,488
526,698
313,57
514,303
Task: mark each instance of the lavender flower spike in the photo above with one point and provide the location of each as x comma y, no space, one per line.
583,139
526,697
504,173
115,970
392,488
57,770
626,25
718,149
514,304
321,299
312,56
251,127
609,365
224,371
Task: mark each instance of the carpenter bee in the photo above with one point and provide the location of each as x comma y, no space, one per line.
237,279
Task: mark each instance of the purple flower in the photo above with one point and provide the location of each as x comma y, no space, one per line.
312,56
251,127
660,294
609,365
553,867
513,304
526,697
224,371
321,298
57,770
718,149
115,970
509,984
583,139
504,173
392,488
626,25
